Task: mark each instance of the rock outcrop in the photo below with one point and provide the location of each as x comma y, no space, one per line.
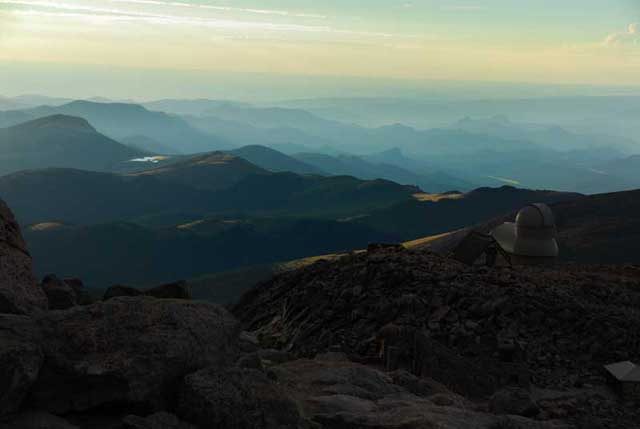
560,323
116,291
473,329
128,350
82,294
175,290
238,398
350,395
20,360
513,401
19,291
36,420
60,295
319,394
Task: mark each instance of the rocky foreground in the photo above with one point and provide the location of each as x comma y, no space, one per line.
303,359
558,326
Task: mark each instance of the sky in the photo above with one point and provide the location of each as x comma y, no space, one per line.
543,41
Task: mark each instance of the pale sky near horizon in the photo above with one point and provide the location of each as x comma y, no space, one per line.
543,41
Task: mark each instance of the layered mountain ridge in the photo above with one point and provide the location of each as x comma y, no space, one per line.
60,141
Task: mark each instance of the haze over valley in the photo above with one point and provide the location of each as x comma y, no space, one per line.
213,175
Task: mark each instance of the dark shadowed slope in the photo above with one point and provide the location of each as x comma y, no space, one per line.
439,214
188,190
412,219
106,254
76,196
60,141
602,228
599,229
288,193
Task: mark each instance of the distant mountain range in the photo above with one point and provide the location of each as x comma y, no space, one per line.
122,121
248,186
94,151
553,137
201,185
600,114
271,125
467,154
483,151
197,107
295,138
628,168
273,160
364,169
60,141
338,165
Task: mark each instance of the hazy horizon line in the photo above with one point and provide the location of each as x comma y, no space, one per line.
113,82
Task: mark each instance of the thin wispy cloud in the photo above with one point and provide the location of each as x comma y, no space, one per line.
630,36
223,8
45,8
221,24
39,4
183,5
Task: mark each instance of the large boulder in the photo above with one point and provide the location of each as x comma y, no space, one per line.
513,400
59,294
175,290
82,293
19,291
36,420
239,398
116,291
322,378
20,360
129,350
419,386
349,395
